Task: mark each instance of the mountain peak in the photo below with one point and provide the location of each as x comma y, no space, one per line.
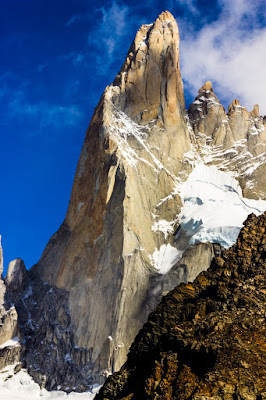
152,182
166,16
235,105
256,111
150,80
207,86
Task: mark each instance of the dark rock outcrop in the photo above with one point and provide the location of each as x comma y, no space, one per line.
15,279
205,340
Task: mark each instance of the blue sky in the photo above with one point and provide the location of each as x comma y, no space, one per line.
57,57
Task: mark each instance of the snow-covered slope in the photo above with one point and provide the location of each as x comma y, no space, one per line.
214,208
21,386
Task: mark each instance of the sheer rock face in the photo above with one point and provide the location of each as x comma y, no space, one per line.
129,162
100,272
205,340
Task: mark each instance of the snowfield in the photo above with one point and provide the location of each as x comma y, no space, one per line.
214,209
21,386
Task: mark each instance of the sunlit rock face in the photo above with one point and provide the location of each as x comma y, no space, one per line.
130,161
153,182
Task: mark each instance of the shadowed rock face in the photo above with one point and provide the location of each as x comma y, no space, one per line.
205,340
119,248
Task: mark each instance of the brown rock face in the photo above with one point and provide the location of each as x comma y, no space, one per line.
205,340
150,79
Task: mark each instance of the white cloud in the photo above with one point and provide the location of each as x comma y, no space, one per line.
231,52
114,19
190,5
111,29
104,38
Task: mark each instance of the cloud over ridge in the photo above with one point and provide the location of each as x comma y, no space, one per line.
231,52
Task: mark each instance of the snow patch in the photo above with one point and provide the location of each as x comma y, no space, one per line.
14,342
165,258
164,226
21,386
68,358
80,204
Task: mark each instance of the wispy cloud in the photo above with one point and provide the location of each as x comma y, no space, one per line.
46,114
41,67
230,52
107,38
73,20
112,26
77,58
104,36
40,113
190,5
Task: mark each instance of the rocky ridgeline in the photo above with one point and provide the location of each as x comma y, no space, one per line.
234,141
206,340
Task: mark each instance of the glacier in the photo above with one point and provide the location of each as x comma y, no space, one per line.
214,208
